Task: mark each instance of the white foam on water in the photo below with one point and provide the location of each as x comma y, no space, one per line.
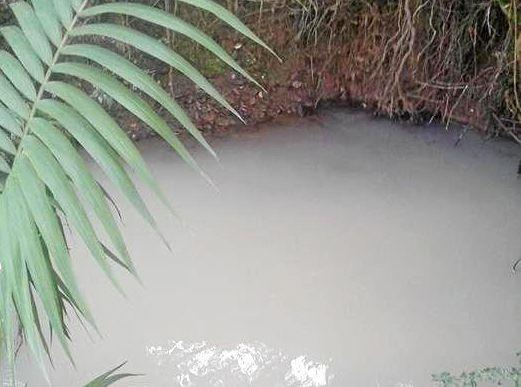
307,373
251,364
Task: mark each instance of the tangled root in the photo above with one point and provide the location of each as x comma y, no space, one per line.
451,59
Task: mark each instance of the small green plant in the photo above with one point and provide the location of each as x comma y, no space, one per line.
110,377
490,376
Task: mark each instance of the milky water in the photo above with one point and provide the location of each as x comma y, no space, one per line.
339,251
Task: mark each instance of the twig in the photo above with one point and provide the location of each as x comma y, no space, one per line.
506,129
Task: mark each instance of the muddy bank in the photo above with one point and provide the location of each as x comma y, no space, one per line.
421,61
446,60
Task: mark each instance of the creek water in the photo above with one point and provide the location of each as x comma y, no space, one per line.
339,250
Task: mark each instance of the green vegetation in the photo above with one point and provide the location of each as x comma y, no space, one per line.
45,183
110,377
493,376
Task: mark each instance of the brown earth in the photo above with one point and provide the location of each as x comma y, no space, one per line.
399,60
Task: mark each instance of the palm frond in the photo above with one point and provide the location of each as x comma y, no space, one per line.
44,181
110,377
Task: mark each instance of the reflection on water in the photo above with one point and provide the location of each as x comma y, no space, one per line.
252,364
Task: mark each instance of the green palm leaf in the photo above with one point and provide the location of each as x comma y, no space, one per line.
21,47
110,377
4,166
12,99
6,144
44,180
99,150
229,18
129,100
33,30
45,11
73,164
8,122
138,78
156,49
171,22
17,75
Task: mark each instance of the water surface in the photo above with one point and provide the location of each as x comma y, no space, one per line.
339,251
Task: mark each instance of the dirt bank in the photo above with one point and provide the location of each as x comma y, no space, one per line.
438,59
450,60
